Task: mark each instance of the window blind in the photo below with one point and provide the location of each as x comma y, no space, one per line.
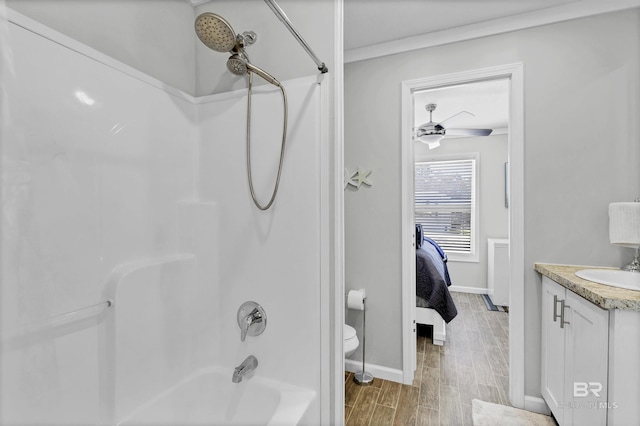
444,201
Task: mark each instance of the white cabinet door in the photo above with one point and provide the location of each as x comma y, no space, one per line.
574,357
553,348
586,361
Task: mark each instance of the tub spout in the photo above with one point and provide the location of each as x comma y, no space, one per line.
247,366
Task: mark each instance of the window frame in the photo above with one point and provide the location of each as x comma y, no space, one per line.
473,255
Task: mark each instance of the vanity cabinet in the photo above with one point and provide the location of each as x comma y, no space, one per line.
575,351
590,366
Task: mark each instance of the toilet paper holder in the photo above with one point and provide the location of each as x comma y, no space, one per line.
356,298
362,378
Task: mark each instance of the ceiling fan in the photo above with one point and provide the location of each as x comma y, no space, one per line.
432,133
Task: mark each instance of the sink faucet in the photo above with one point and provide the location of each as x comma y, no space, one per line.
253,317
247,366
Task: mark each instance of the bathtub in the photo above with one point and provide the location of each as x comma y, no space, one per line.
208,397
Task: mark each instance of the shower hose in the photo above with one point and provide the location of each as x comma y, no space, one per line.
284,137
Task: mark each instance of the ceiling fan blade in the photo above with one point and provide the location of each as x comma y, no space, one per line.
468,132
455,115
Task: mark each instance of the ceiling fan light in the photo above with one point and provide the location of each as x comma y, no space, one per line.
432,141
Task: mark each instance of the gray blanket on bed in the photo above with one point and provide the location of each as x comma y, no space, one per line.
432,280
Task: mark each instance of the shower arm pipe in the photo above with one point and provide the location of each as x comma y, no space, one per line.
285,20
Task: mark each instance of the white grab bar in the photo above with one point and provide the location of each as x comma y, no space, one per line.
77,315
56,326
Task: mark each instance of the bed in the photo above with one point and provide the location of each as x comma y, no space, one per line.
434,305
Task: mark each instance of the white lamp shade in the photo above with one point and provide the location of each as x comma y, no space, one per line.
433,141
624,224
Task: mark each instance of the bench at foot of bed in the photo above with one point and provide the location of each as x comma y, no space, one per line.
429,316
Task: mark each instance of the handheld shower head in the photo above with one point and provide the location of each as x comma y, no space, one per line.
239,66
215,32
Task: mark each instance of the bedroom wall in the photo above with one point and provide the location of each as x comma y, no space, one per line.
492,214
576,74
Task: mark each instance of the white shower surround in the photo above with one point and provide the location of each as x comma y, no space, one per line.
105,169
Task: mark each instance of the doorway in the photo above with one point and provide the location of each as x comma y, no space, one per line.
512,73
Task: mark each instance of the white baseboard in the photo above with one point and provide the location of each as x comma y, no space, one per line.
535,404
474,290
378,371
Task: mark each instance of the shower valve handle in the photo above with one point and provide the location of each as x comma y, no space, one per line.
252,320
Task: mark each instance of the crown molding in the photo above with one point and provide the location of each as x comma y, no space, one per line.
579,9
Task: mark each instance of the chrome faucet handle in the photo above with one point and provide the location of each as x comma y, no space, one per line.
252,320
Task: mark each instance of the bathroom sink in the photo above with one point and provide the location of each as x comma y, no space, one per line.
612,277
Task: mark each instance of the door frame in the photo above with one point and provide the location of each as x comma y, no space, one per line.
515,73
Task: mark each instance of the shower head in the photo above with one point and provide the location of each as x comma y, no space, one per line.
240,66
215,32
237,65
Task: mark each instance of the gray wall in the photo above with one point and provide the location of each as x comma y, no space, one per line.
582,103
153,36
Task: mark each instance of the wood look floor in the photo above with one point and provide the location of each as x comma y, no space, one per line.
472,364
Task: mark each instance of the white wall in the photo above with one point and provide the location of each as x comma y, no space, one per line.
271,257
94,163
578,75
154,36
105,170
492,214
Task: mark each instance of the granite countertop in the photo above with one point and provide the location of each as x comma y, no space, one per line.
605,296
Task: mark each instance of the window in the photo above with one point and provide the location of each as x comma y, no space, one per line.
445,192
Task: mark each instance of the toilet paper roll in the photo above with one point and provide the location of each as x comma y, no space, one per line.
624,224
355,299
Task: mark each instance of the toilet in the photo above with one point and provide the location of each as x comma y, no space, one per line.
350,340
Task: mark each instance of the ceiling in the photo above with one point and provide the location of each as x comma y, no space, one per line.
370,22
375,28
488,101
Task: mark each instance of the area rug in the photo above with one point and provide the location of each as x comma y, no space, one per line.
491,307
488,414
